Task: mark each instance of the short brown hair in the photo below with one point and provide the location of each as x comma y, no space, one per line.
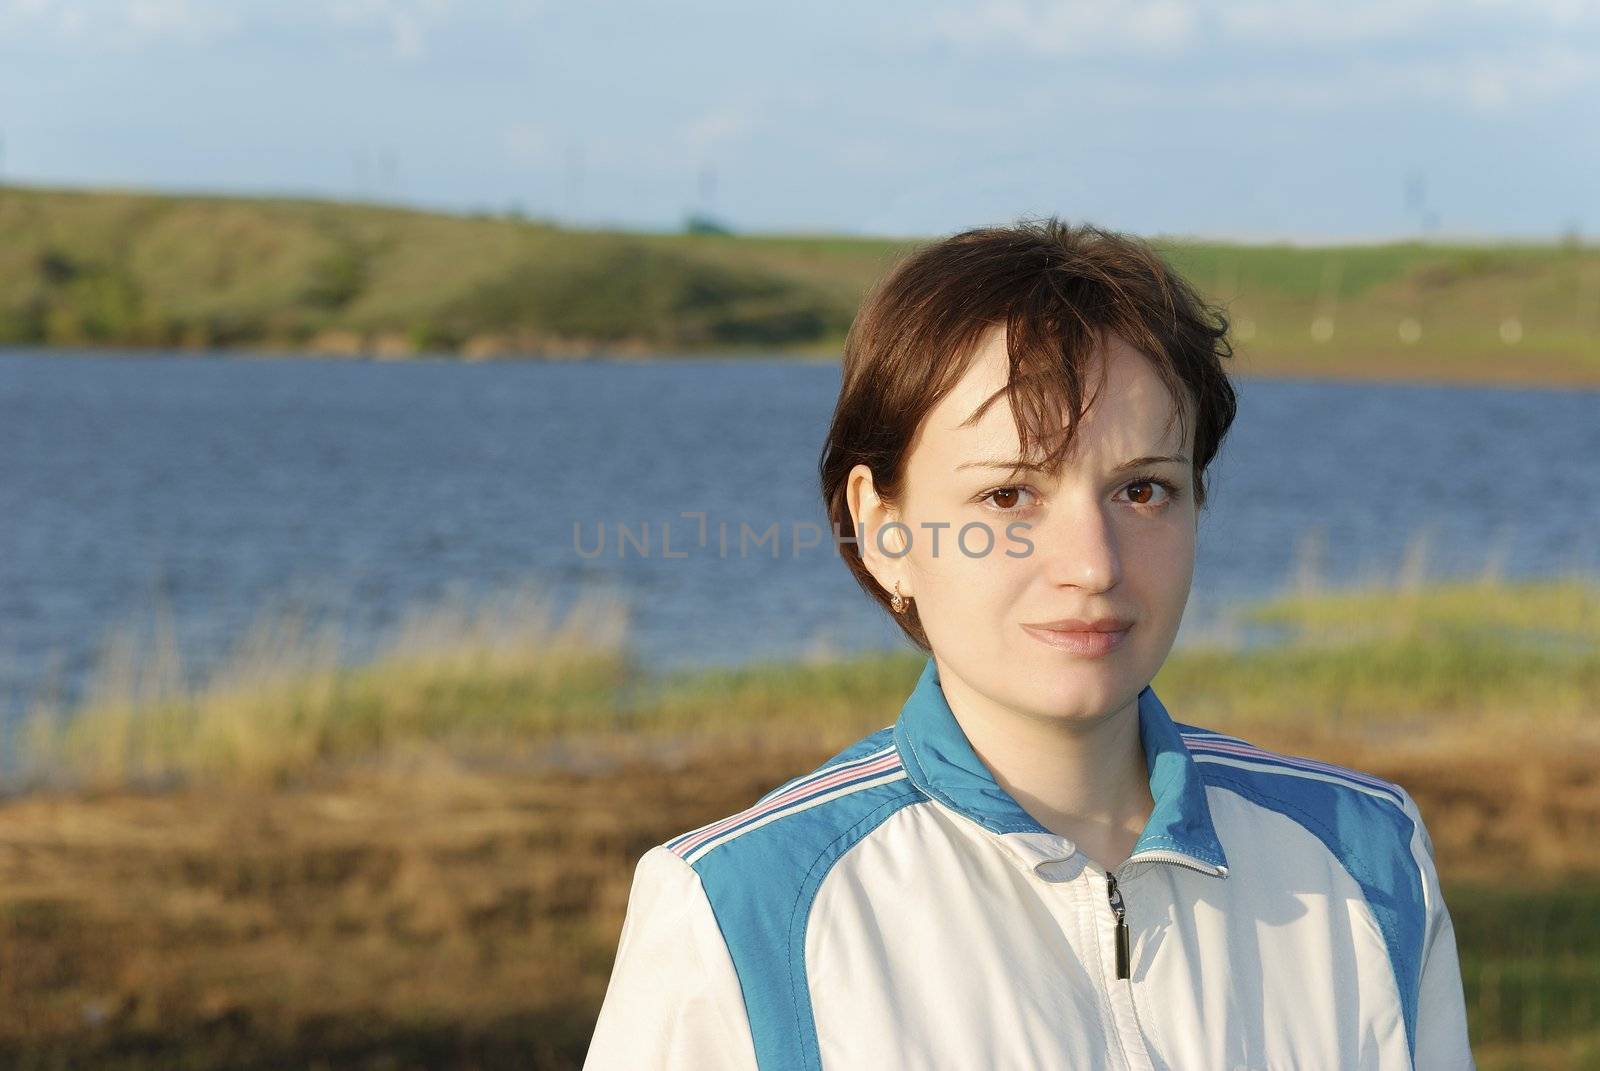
1057,289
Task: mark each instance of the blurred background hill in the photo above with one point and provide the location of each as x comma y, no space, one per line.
144,270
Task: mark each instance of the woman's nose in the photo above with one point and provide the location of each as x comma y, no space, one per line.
1080,550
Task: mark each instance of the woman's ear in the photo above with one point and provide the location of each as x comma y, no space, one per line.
870,514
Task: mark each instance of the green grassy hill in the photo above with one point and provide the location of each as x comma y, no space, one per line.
130,270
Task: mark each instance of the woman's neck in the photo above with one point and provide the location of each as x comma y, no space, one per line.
1086,781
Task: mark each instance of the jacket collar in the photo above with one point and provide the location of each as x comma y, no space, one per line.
939,760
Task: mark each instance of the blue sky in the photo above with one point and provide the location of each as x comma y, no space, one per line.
1249,119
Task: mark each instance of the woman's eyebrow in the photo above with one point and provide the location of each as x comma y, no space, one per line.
1152,459
1033,466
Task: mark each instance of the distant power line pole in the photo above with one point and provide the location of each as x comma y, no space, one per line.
574,178
708,188
1416,196
388,175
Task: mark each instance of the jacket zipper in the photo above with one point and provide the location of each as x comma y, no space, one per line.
1122,925
1124,942
1124,955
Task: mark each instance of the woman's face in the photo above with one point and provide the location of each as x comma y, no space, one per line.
1099,538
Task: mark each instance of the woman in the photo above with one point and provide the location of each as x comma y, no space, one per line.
1035,866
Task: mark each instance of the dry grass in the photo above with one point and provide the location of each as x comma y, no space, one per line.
397,910
282,705
447,911
426,866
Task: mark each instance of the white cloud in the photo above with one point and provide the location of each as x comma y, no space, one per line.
1486,83
404,24
726,123
1070,26
718,126
117,25
1499,82
526,144
1557,13
1302,21
160,17
1432,50
407,22
1423,22
1056,27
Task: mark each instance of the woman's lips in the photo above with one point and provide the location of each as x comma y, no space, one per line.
1088,644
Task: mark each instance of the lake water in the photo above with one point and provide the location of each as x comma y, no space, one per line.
219,488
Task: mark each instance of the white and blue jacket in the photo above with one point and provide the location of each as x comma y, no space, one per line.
896,908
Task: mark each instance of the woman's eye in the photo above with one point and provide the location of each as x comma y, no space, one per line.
1151,492
1006,499
1143,492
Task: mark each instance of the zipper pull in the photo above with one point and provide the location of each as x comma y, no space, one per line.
1123,955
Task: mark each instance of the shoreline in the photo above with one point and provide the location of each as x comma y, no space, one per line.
1531,370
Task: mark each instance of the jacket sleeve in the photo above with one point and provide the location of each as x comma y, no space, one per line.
673,1002
1441,1006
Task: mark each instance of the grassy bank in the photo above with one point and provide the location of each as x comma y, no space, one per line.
1442,666
443,914
424,861
82,268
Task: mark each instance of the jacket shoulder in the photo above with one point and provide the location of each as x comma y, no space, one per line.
1370,825
806,811
1231,759
761,868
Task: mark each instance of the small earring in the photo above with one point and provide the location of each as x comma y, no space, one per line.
897,600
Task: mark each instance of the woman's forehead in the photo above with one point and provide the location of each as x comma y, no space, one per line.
1130,409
